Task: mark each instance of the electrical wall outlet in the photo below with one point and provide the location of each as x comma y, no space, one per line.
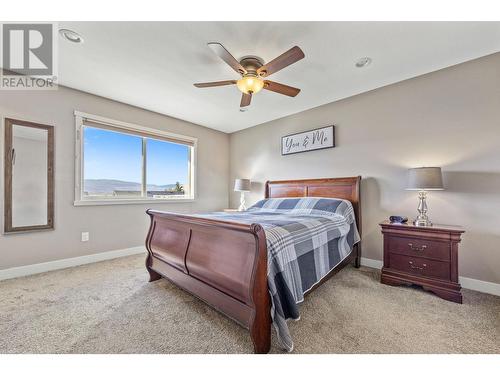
85,236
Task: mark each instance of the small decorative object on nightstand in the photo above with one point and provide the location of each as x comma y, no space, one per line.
423,179
425,256
242,185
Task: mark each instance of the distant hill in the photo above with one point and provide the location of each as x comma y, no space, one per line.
94,186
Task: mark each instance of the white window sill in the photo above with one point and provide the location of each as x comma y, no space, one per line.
110,202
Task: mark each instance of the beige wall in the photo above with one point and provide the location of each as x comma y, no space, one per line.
110,227
450,118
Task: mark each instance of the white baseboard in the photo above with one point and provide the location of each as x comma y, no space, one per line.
32,269
480,285
467,283
372,263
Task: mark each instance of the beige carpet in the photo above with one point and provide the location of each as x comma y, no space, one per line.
109,307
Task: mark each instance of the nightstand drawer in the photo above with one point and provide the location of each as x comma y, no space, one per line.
420,266
420,248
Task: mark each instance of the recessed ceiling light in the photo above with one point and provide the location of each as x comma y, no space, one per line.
71,35
362,62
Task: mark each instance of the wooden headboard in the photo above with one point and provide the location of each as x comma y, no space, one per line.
343,188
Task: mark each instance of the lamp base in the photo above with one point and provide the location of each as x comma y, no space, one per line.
242,206
421,222
422,219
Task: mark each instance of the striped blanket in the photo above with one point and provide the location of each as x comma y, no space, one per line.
306,239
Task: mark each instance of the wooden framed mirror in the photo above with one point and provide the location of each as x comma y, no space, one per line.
29,176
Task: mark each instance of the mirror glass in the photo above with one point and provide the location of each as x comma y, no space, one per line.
28,166
29,176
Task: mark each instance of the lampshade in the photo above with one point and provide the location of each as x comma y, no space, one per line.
242,184
425,178
250,84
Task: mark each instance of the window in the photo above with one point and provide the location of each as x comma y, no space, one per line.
125,163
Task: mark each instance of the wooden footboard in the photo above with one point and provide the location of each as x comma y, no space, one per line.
222,263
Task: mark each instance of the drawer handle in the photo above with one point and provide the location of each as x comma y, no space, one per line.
416,248
417,267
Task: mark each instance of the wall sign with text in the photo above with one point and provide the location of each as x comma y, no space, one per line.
310,140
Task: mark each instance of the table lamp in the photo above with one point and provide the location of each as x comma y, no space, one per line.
242,185
424,179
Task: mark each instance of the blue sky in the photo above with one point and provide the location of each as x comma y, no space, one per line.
117,156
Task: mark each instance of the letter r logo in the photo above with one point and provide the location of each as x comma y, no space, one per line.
27,49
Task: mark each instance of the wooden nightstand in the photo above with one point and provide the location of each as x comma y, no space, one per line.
425,256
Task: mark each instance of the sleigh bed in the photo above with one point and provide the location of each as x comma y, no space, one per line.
225,262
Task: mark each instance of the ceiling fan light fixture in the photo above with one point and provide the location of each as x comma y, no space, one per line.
252,70
250,84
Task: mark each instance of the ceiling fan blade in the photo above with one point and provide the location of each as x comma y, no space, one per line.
227,57
280,88
245,100
291,56
213,84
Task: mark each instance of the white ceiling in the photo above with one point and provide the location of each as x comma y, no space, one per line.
153,65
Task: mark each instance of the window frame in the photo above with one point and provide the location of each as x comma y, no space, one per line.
140,131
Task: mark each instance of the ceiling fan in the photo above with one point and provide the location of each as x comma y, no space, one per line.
253,71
